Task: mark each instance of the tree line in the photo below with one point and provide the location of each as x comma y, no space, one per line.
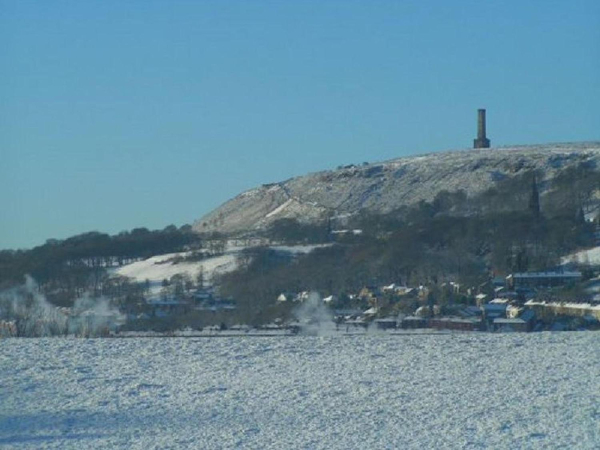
67,268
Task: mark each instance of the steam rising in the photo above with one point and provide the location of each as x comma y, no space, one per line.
24,311
314,317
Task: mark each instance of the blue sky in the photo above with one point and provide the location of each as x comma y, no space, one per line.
120,114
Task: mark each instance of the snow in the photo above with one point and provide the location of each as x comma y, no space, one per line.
296,249
587,257
463,390
158,268
567,305
280,208
386,186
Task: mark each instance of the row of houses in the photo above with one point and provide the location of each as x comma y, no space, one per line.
205,299
537,280
506,311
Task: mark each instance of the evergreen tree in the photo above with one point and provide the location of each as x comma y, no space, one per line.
534,199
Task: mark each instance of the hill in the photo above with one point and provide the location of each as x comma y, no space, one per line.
385,186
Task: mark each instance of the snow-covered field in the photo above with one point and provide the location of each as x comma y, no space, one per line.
413,391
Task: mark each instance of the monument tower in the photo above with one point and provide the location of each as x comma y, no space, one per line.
481,141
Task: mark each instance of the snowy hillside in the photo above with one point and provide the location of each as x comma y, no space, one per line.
590,257
387,185
458,391
160,267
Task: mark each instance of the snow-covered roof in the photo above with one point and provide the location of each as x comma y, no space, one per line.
571,305
587,257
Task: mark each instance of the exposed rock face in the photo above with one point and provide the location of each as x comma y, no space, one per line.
382,187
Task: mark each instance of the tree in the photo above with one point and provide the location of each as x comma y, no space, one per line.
534,199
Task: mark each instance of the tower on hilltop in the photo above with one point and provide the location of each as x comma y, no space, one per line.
482,141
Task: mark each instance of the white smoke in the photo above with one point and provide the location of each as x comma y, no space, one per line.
314,317
93,317
25,311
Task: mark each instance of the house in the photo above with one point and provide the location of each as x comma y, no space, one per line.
412,322
203,294
369,293
498,282
571,309
480,299
385,323
455,323
330,299
354,323
496,309
390,288
405,292
505,325
535,280
471,311
347,313
167,307
215,304
529,317
286,297
455,287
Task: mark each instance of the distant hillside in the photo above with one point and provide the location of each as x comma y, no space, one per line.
383,187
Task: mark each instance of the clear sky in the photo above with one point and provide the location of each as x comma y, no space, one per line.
119,114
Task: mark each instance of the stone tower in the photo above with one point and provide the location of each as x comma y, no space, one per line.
481,141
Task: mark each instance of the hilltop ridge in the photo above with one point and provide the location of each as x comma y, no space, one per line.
384,186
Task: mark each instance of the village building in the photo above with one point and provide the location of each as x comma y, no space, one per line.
215,304
570,309
286,297
471,311
412,322
168,307
456,323
330,299
385,323
536,280
495,308
510,325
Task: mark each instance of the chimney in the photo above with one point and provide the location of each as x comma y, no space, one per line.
481,141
